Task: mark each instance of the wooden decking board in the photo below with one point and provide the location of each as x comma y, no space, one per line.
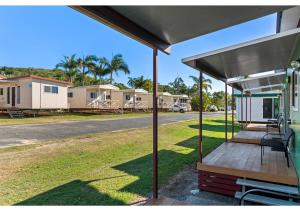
243,160
248,137
259,127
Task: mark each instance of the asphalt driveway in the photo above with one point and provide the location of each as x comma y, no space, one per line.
28,133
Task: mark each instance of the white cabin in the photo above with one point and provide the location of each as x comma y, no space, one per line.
33,92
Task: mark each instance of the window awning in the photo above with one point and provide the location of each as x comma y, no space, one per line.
265,54
257,83
162,26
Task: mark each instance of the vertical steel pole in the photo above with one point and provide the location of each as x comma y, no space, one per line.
200,116
242,108
155,129
246,110
232,116
226,107
250,109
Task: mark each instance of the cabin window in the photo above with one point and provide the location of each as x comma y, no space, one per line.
127,97
47,88
18,95
270,108
138,99
55,89
51,89
93,95
295,91
1,91
107,97
8,95
183,100
70,94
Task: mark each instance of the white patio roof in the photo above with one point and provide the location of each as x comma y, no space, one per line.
265,81
268,53
274,88
162,26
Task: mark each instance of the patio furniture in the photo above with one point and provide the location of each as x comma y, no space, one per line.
276,124
277,143
275,121
266,193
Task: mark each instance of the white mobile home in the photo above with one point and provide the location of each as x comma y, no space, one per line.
182,100
33,92
95,96
137,98
259,107
165,100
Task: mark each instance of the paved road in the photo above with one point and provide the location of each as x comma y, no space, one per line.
22,134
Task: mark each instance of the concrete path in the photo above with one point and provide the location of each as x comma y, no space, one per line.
28,133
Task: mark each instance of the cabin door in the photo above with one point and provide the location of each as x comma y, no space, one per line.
267,108
13,96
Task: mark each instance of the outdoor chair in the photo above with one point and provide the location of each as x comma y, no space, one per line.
277,143
276,124
274,121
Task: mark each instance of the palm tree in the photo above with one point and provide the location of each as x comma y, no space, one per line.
69,66
136,83
117,64
206,83
100,69
86,62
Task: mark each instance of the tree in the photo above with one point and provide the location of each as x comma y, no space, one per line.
86,62
178,86
117,64
206,83
136,83
140,83
164,88
205,103
120,85
218,99
100,69
69,66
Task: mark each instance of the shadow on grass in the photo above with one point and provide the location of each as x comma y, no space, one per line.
220,127
169,163
76,192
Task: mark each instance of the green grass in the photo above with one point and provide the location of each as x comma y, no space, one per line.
101,169
47,117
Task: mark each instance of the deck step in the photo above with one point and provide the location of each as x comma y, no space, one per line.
265,200
15,113
268,186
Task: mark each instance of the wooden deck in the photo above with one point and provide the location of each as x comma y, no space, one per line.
248,137
259,127
243,160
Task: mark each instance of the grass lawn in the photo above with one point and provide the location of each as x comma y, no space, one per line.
47,117
100,169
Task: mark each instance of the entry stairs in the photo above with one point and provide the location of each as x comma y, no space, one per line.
267,193
15,113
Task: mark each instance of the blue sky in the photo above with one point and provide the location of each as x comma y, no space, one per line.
40,36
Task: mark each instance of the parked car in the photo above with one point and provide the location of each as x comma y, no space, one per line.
221,109
179,108
212,108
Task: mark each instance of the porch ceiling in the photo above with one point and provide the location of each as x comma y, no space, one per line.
265,54
274,88
162,26
268,81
